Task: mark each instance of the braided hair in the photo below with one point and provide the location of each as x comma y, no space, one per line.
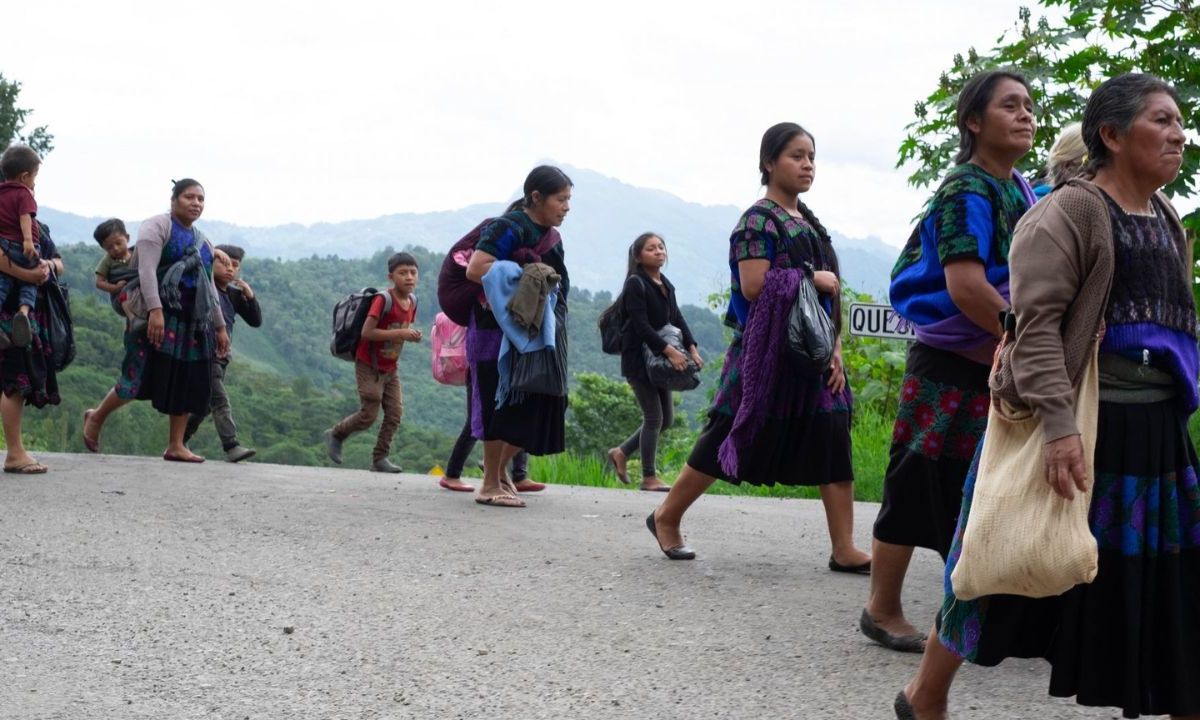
774,141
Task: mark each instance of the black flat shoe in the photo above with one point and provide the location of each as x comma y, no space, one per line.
899,643
679,552
864,569
903,708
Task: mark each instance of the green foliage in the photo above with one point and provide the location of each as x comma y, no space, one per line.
603,413
875,365
13,119
1065,58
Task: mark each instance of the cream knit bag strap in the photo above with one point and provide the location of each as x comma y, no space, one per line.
1022,538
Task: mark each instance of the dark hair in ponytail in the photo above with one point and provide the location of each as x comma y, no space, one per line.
181,185
545,180
774,141
635,251
515,205
828,257
973,100
1117,102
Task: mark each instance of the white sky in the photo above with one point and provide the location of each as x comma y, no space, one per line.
324,111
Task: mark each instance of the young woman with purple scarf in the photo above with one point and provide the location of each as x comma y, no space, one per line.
535,423
951,281
769,423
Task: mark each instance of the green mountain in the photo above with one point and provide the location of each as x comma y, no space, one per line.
606,216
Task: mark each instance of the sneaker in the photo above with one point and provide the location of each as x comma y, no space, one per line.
385,465
22,333
237,453
333,446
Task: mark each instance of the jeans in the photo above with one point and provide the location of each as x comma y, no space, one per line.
27,291
658,413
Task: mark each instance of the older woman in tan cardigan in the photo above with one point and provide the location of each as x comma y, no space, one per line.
1103,260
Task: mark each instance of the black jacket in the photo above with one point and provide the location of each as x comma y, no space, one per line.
648,307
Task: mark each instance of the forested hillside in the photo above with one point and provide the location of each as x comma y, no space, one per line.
285,386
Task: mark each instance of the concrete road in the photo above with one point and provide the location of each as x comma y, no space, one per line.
134,588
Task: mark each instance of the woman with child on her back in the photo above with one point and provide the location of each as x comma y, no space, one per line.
168,359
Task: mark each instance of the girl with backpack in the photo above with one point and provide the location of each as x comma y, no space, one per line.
951,281
534,422
770,423
647,303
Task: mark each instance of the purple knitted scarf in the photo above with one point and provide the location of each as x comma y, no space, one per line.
762,347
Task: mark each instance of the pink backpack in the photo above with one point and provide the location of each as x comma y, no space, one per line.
449,351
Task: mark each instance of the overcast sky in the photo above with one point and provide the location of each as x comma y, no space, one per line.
323,111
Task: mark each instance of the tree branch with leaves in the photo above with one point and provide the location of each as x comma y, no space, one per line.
1064,54
13,120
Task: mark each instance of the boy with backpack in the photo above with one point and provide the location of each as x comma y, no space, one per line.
236,298
386,328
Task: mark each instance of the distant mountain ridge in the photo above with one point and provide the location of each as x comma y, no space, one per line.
606,216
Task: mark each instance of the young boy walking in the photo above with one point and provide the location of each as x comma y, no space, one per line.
383,336
237,298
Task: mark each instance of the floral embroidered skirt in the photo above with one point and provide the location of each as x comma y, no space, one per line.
942,413
28,372
177,376
806,438
1131,638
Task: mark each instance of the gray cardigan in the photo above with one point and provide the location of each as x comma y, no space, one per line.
1061,269
152,236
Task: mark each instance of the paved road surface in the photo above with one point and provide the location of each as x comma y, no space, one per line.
133,588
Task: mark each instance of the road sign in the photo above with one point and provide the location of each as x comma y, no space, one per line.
879,321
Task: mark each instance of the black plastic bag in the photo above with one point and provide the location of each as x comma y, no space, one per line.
659,369
810,335
59,326
544,372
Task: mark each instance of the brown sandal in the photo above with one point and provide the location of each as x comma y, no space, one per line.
508,501
33,467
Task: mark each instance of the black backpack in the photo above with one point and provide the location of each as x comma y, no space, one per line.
612,322
349,314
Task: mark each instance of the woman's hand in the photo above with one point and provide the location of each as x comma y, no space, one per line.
411,335
1066,470
154,327
837,370
222,343
826,282
695,355
677,359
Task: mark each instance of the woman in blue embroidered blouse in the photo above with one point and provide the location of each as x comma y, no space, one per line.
168,361
951,281
535,423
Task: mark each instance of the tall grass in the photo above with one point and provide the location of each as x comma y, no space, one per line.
871,434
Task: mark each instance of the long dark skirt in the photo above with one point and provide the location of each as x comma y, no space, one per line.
177,376
1131,638
806,438
28,372
536,424
942,413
